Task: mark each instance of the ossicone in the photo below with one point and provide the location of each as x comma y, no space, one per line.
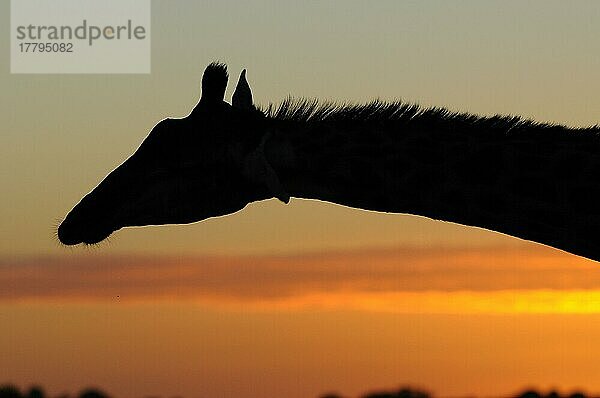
214,82
242,97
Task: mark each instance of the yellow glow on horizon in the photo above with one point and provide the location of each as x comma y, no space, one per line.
530,280
541,301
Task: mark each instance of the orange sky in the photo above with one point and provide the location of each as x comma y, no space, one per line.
525,278
480,321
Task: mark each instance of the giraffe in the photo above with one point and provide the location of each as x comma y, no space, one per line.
531,180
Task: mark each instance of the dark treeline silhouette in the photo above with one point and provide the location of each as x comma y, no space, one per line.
404,392
409,392
552,394
11,391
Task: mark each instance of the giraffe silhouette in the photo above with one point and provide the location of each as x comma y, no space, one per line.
531,180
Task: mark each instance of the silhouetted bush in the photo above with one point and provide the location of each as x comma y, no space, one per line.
529,394
35,392
9,391
404,392
93,393
553,394
550,394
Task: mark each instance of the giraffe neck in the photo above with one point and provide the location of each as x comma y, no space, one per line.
536,182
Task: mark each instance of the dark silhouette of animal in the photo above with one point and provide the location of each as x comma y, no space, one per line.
531,180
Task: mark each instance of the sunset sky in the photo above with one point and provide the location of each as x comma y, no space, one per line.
311,297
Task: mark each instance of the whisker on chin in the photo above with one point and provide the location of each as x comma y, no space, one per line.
54,232
93,247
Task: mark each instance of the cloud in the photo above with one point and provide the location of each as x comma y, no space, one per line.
362,273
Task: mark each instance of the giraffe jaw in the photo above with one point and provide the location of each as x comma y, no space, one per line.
68,239
71,232
128,198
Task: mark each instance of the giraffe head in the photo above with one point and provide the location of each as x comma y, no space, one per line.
205,165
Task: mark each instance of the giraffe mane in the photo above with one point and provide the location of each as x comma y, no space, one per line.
312,110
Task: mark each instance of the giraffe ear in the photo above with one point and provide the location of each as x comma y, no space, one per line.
242,97
214,82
